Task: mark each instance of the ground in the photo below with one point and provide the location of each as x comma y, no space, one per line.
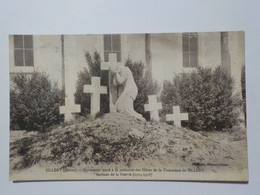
106,142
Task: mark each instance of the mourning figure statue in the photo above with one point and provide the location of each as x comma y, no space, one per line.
123,77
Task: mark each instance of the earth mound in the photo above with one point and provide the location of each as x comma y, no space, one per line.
109,140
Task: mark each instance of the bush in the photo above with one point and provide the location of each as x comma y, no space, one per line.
207,95
34,102
243,84
145,87
82,98
84,78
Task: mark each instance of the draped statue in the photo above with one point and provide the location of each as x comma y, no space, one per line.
123,78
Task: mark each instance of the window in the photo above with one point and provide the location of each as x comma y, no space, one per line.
112,44
23,50
190,49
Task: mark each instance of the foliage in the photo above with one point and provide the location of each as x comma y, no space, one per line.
145,86
84,78
82,98
243,84
207,95
93,64
34,102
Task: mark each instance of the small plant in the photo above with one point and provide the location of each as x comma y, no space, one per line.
207,95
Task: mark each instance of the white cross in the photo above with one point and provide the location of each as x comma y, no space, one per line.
177,117
153,107
69,109
112,61
95,89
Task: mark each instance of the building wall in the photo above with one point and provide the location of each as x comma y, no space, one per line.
209,49
74,58
237,57
47,57
134,47
76,45
166,52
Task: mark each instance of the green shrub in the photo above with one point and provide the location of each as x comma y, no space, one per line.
34,102
145,87
207,95
84,78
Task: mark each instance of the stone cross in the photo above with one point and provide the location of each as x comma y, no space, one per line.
113,90
69,109
95,89
177,117
153,107
112,61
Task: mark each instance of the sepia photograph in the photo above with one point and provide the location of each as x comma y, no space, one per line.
150,106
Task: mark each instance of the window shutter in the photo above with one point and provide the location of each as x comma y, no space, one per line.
18,56
112,44
23,50
190,49
28,42
18,41
28,57
116,46
107,42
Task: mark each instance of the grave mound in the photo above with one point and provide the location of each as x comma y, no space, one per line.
108,140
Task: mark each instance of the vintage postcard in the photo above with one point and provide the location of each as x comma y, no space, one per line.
166,106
